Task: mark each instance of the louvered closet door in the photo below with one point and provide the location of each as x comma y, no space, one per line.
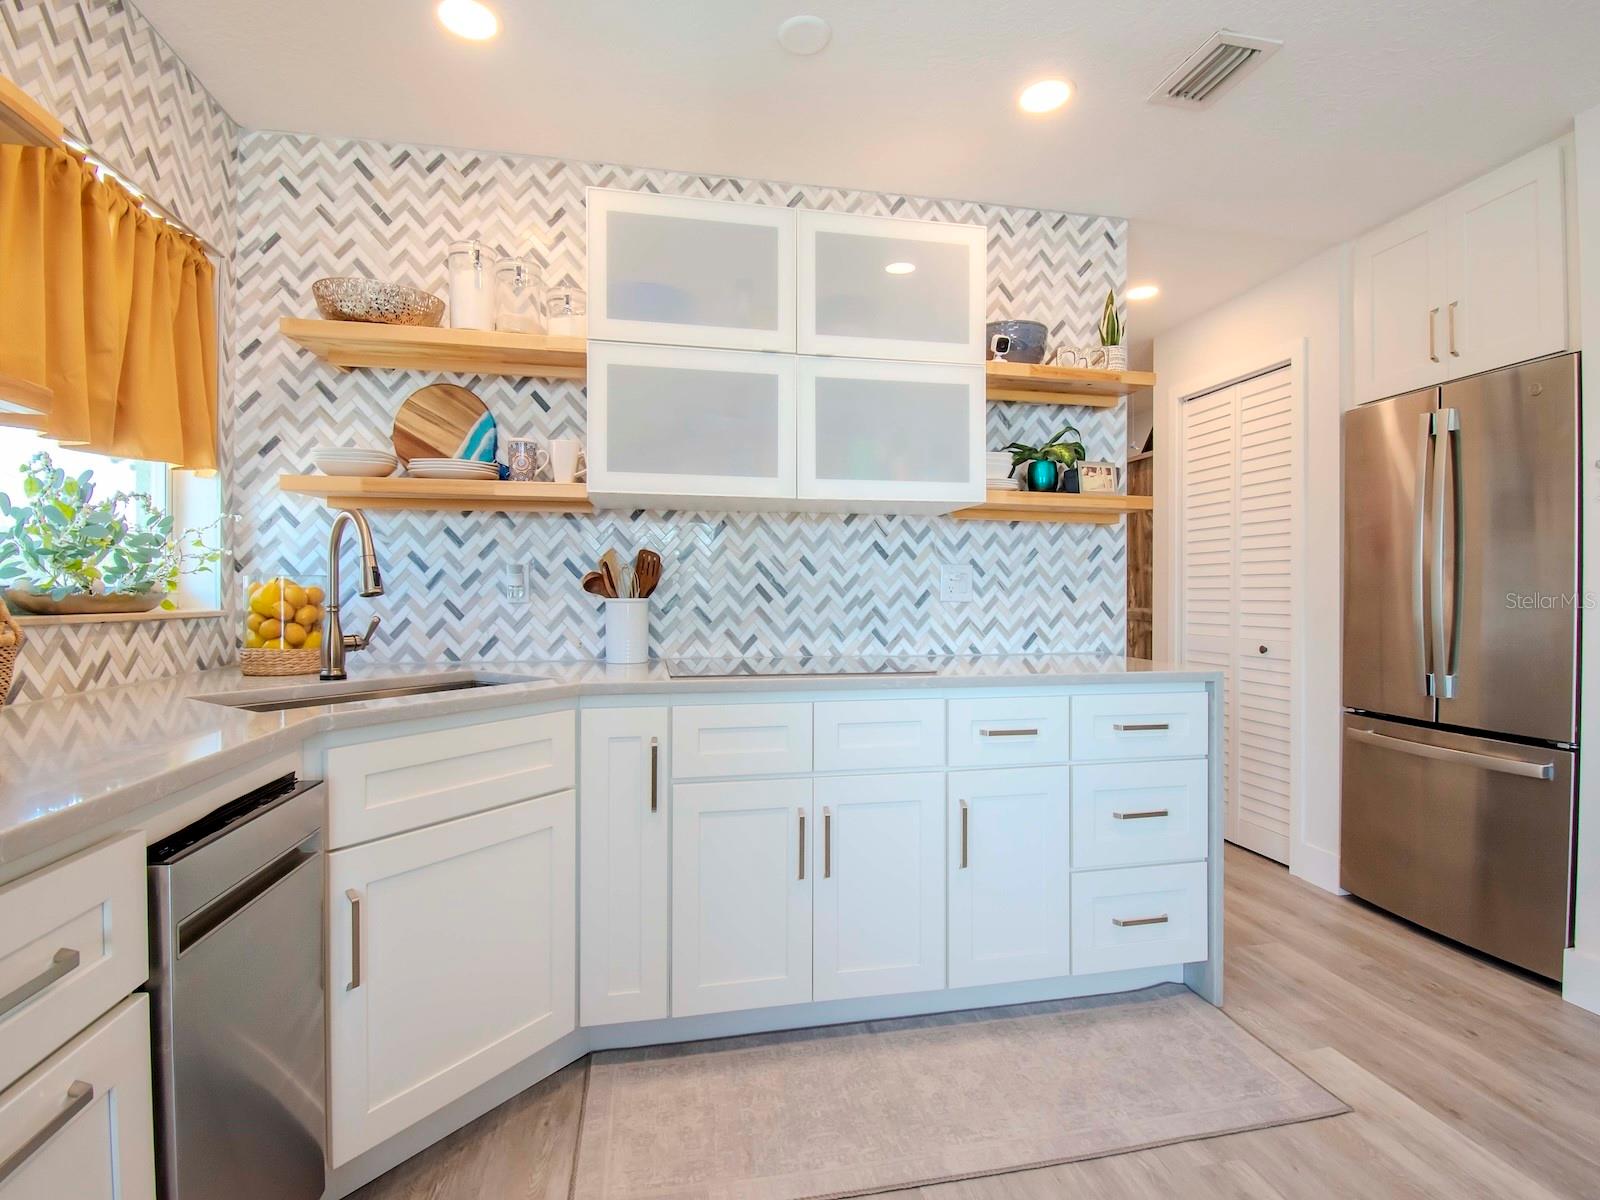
1240,459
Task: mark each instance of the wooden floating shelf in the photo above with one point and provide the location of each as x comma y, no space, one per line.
25,122
471,352
1091,508
492,496
457,494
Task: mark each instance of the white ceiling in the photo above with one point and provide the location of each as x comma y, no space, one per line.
1371,106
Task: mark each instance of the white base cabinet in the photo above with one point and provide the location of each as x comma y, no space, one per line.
1138,917
79,1125
451,960
1009,851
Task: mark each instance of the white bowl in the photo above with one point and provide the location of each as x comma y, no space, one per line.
373,464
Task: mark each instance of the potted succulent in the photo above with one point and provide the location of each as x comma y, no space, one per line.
63,552
1113,334
1051,466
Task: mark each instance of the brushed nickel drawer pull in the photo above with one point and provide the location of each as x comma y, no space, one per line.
1008,733
63,963
79,1096
1143,814
802,843
354,897
827,843
1130,922
1433,346
1451,314
655,773
963,835
1145,727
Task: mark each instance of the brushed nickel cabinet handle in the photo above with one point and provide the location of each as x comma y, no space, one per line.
655,773
1008,733
354,897
963,835
802,843
1147,727
1433,345
827,843
1130,922
79,1096
1450,326
1141,815
63,963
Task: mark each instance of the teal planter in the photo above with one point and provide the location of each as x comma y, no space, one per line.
1041,476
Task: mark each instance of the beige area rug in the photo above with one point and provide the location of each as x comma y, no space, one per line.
850,1110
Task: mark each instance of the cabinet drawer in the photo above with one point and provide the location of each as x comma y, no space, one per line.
1008,733
82,1121
879,735
394,784
719,741
1167,725
1138,917
1125,814
72,944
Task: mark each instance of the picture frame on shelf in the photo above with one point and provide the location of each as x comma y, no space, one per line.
1097,477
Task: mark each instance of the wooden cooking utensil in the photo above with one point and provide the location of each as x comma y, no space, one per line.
647,568
595,584
612,581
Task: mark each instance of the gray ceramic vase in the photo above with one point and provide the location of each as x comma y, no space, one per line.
1018,341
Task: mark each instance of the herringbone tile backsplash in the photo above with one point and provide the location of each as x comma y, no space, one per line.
282,210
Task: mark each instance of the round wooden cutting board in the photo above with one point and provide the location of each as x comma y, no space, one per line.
444,420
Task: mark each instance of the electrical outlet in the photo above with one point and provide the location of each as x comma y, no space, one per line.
955,583
516,585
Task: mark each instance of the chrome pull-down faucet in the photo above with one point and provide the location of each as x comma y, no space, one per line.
336,643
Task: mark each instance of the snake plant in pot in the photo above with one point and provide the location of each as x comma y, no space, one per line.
1051,466
1114,334
62,551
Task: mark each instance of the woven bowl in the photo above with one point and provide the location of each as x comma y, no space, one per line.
280,662
351,298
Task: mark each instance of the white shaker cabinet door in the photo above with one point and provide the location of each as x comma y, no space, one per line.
79,1125
450,959
680,271
886,287
891,436
670,425
626,855
1009,895
742,869
879,912
1400,318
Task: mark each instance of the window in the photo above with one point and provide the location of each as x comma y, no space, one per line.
192,497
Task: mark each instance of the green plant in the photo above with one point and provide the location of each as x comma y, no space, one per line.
1112,329
1056,450
63,542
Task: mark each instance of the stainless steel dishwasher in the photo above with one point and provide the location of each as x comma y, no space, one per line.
236,991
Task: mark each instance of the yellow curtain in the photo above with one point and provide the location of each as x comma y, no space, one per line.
110,308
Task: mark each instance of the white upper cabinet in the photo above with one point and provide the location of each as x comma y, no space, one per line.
679,271
668,424
1473,281
884,287
890,436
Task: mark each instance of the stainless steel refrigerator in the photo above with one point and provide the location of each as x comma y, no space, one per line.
1461,612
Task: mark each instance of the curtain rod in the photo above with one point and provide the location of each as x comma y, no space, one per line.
154,208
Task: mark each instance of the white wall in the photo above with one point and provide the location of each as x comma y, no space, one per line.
1581,983
1307,306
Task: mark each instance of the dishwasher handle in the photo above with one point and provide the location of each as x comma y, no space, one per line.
220,911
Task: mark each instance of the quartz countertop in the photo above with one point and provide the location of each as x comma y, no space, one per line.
87,761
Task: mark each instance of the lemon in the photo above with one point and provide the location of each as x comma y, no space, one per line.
313,640
270,629
294,594
266,600
294,635
253,621
253,640
313,595
308,616
272,644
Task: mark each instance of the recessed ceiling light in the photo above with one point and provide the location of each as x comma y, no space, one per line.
1145,291
804,35
900,268
1045,96
469,19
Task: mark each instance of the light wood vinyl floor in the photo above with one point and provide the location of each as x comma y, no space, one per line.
1467,1079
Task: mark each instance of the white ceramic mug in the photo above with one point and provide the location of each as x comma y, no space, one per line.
567,459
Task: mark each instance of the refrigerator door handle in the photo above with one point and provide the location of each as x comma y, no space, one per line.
1447,422
1419,579
1467,758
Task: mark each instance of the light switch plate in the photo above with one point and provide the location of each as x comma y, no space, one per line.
955,583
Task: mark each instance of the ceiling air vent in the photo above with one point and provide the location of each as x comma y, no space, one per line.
1213,68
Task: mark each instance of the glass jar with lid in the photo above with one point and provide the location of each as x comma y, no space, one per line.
566,311
520,292
472,285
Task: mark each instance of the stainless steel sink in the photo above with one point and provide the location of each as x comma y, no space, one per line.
337,694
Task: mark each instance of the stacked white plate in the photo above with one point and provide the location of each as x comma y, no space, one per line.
345,460
996,465
452,468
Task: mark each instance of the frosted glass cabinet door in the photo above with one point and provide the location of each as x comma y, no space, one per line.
883,287
890,436
673,270
669,423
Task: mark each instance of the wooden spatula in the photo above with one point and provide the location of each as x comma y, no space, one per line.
647,571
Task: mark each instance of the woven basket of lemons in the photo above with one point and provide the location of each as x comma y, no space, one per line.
282,626
10,649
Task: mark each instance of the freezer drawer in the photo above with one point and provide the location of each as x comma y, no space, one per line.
1469,837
